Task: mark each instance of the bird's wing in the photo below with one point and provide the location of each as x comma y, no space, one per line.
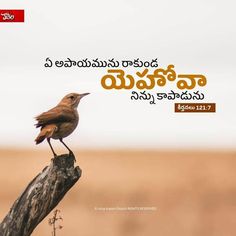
55,115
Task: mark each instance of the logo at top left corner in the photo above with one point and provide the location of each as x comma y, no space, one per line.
12,16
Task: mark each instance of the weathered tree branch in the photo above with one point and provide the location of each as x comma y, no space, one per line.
42,194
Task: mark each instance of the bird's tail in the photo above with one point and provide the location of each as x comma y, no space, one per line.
40,138
46,132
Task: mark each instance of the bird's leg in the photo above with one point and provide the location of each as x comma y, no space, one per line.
65,145
70,151
55,155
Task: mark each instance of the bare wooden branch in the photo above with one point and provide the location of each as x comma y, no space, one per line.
42,194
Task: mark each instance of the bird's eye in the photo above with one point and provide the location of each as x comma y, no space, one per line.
72,97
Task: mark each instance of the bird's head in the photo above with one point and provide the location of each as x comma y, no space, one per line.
72,99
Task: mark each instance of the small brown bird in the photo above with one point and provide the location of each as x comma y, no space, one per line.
60,121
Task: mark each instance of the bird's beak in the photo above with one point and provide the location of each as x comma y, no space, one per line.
83,94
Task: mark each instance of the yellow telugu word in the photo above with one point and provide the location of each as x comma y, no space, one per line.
117,79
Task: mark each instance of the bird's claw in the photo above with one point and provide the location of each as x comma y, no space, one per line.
54,155
72,155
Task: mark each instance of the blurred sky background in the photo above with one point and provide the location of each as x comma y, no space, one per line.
195,36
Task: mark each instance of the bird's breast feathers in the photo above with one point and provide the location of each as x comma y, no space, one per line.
64,129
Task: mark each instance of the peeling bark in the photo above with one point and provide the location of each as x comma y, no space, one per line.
39,198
